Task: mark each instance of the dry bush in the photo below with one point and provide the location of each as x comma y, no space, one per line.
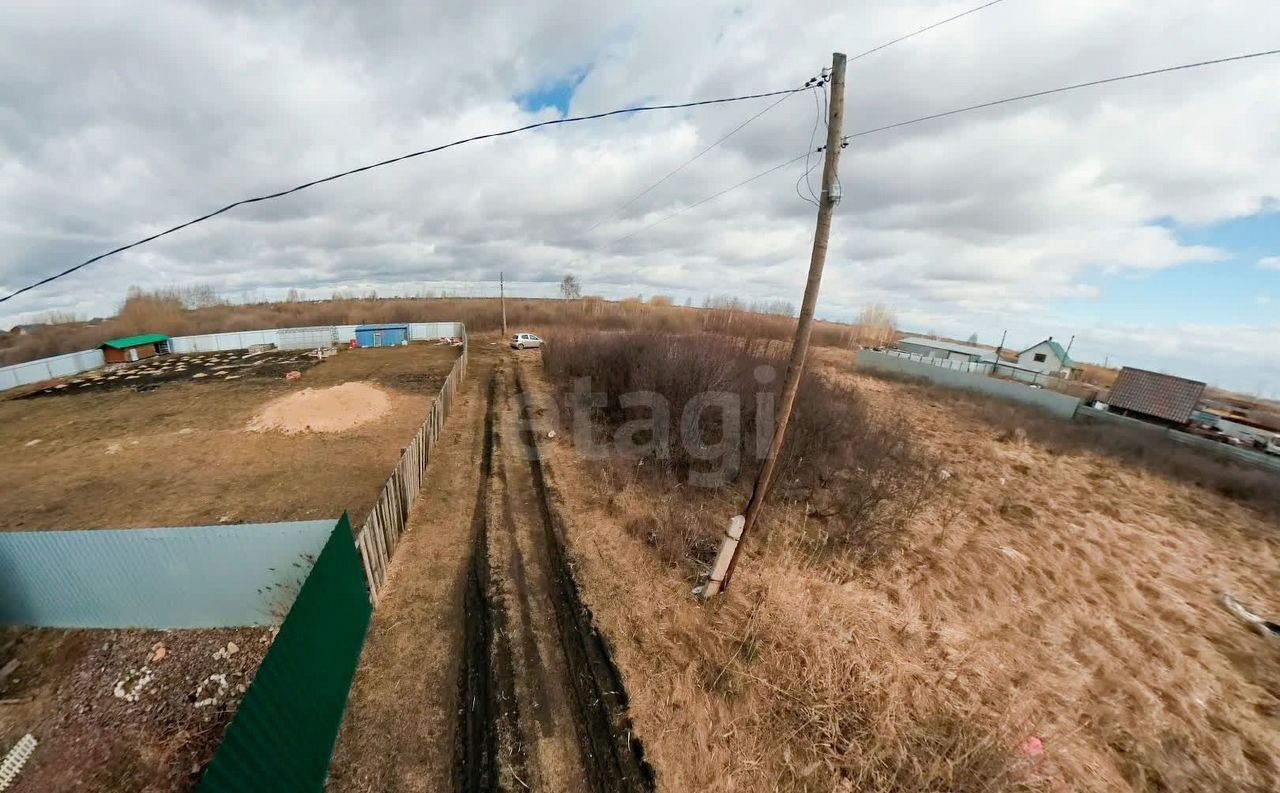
859,478
661,300
876,325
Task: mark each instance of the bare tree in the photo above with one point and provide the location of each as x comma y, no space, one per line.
973,338
876,325
570,289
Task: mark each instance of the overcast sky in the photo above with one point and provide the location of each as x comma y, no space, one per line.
1143,217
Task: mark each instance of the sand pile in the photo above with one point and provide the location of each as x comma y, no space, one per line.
336,409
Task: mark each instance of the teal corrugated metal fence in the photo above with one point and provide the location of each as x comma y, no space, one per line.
187,577
283,735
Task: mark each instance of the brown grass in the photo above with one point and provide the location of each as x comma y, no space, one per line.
182,454
1135,447
859,478
1054,591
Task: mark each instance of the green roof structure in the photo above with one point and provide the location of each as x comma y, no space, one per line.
134,341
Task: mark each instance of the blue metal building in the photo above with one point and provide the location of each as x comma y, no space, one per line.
381,335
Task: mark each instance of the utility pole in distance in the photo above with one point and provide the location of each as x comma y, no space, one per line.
722,573
502,298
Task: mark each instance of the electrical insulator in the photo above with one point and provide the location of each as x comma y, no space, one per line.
835,194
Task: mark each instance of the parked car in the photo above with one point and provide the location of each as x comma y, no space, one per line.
1273,447
526,341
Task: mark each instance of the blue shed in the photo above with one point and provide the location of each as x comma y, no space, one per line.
381,335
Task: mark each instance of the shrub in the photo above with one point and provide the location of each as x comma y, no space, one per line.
859,478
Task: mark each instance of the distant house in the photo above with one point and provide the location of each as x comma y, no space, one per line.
1046,357
949,350
135,348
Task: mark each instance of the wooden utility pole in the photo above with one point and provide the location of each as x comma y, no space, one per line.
804,328
502,297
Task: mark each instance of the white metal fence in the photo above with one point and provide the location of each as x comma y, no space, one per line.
285,338
1061,405
954,364
50,368
979,367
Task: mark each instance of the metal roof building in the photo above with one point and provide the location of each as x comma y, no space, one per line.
1152,395
934,348
135,348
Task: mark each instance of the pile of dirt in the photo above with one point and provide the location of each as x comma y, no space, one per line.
336,409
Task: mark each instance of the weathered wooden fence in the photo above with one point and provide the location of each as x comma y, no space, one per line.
381,532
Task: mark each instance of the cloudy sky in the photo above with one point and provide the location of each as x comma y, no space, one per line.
1142,217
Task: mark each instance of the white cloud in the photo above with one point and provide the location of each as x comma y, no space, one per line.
1270,263
113,129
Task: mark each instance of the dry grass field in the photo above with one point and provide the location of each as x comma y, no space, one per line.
1048,621
189,452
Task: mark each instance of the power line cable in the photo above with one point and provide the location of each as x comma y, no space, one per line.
812,198
709,198
1060,90
689,162
401,158
846,138
821,81
924,29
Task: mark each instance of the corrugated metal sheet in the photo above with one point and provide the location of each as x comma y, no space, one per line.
134,341
307,338
382,335
215,342
1153,394
283,735
916,344
188,577
48,368
422,331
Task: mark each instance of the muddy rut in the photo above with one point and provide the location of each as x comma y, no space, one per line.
541,705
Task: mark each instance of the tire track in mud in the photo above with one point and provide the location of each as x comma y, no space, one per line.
541,704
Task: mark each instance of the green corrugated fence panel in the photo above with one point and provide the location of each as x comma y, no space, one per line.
282,737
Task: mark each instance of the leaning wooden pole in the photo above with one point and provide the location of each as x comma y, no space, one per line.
804,328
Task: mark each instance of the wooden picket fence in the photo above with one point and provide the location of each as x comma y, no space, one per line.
378,538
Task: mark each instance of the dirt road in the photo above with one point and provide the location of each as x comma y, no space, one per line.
482,657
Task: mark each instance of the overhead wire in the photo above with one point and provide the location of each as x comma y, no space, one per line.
1060,90
846,138
813,136
689,162
821,115
391,161
925,29
784,94
709,198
